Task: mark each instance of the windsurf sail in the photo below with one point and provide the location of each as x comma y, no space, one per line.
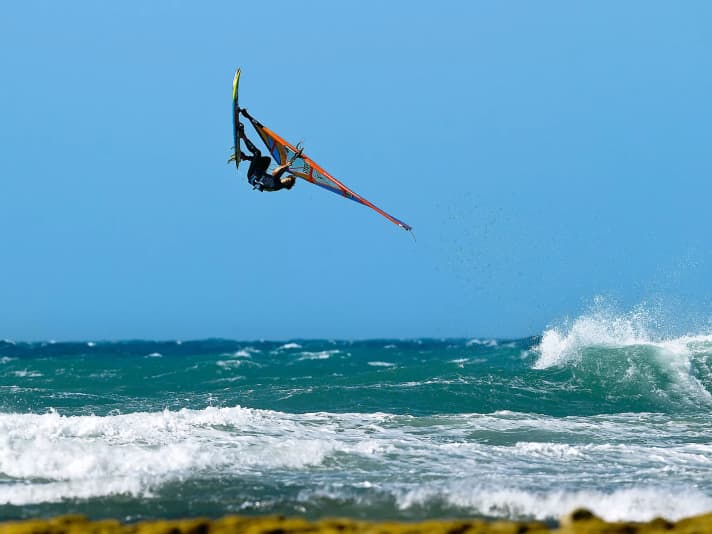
305,167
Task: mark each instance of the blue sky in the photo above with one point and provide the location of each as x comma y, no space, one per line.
544,152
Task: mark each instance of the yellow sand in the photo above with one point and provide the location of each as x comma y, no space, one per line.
579,522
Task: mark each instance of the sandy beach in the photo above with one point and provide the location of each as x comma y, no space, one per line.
578,522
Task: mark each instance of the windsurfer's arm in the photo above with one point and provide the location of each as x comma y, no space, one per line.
297,154
280,170
254,121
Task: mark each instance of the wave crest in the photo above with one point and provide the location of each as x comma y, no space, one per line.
622,354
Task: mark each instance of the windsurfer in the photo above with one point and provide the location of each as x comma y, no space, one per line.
257,173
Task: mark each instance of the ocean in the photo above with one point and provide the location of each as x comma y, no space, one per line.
596,412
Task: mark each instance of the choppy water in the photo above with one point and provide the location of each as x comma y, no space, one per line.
599,413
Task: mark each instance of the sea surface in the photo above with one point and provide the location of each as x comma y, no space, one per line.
596,413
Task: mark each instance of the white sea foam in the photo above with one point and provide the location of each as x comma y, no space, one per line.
483,342
604,327
321,355
599,328
89,456
154,355
636,504
20,494
26,373
104,374
227,364
6,359
290,346
549,450
381,364
465,460
229,379
246,352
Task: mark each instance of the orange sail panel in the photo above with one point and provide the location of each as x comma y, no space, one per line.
305,167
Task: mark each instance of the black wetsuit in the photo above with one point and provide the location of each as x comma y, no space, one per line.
257,173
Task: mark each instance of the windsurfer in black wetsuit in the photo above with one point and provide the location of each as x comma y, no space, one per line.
257,173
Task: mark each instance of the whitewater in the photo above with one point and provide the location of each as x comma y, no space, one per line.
598,412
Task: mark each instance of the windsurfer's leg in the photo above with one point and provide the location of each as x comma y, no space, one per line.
252,148
243,157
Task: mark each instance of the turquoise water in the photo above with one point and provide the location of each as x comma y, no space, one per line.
599,414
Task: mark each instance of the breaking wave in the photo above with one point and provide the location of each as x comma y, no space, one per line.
622,354
637,504
469,464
